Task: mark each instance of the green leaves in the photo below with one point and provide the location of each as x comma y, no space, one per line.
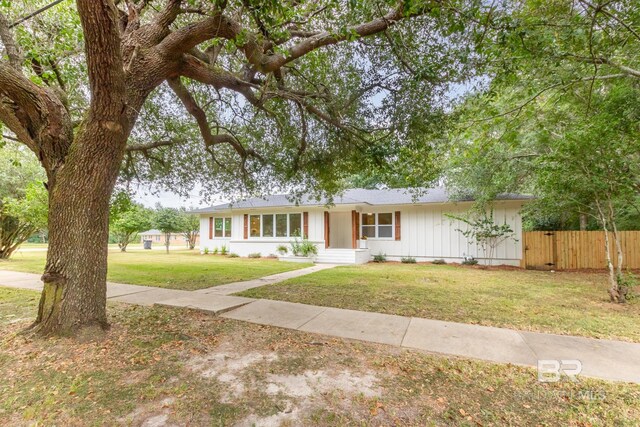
32,209
168,220
551,122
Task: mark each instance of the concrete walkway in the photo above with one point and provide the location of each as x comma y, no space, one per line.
232,288
606,359
140,295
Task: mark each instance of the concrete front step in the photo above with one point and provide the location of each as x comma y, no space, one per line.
343,256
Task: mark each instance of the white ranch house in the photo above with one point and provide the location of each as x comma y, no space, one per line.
393,222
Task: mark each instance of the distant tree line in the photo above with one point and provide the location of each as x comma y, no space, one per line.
128,219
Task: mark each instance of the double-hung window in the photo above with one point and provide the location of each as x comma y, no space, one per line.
275,225
222,227
377,225
255,228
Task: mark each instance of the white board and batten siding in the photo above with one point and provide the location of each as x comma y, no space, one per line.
427,233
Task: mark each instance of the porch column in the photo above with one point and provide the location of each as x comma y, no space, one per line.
355,229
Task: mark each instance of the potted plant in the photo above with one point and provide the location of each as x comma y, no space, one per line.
363,242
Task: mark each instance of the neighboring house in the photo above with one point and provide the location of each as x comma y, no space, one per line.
394,223
157,237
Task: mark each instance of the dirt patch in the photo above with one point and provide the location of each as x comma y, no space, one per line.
293,391
288,417
227,367
155,414
310,383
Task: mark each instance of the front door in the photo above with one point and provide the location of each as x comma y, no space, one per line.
340,230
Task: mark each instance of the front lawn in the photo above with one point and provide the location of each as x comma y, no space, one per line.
181,269
164,366
564,303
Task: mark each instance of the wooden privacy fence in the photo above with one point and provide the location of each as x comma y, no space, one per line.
565,250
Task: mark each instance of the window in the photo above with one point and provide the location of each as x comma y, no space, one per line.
254,225
369,225
227,227
218,227
385,225
267,225
222,227
295,224
379,225
276,225
281,225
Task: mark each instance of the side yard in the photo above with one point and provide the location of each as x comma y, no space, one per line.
181,269
561,302
166,366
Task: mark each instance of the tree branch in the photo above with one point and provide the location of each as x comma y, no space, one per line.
601,9
10,46
152,145
601,60
273,62
218,78
520,107
190,36
99,20
218,25
210,140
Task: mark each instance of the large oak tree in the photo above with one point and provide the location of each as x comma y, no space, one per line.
303,84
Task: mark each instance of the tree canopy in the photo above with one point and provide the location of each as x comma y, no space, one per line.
559,118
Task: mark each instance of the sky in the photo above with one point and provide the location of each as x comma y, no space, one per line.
149,198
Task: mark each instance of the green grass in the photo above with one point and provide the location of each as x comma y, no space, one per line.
181,269
564,303
158,361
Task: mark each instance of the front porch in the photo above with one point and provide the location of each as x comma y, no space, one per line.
341,239
342,229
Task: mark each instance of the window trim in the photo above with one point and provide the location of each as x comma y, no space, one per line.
224,227
377,224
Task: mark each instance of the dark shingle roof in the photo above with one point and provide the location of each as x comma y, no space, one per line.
393,196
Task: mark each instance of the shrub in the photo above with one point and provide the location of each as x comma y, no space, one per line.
272,256
233,255
628,283
215,250
303,248
282,249
438,261
224,250
380,257
408,260
206,251
470,261
255,255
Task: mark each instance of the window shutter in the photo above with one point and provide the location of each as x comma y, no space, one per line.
305,225
246,226
398,227
210,227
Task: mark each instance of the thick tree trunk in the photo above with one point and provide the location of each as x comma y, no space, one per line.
123,244
583,222
74,295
